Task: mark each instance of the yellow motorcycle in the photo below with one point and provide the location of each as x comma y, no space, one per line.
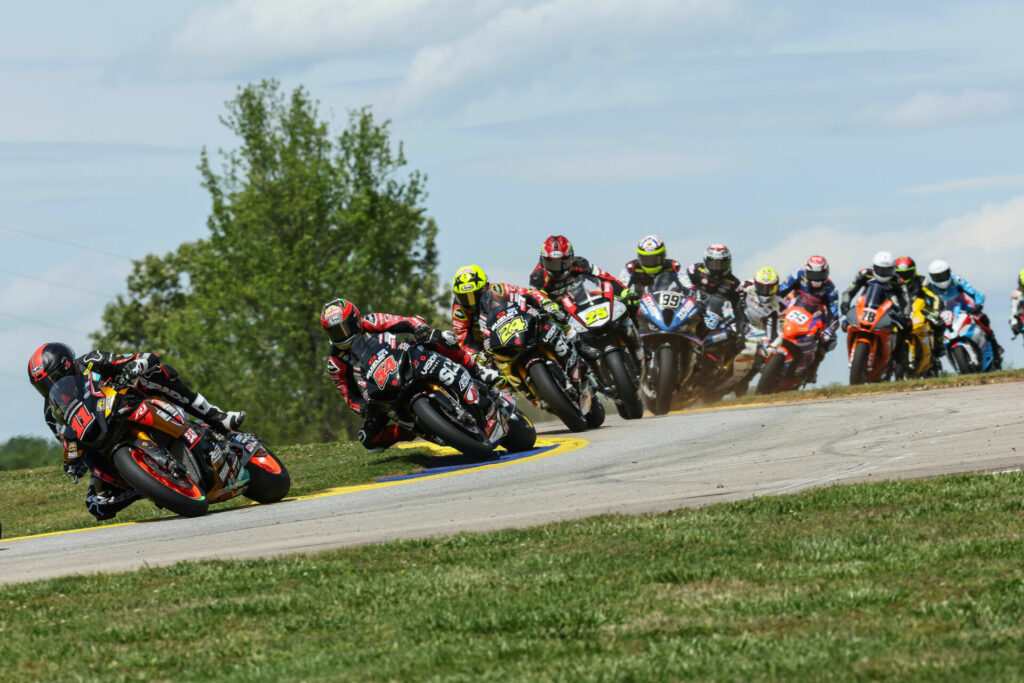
919,352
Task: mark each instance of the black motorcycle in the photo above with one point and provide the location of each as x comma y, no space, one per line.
439,399
525,353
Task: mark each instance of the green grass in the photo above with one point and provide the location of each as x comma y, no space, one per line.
843,390
918,580
44,500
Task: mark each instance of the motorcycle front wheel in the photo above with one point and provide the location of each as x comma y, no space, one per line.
435,422
178,495
556,399
666,386
771,373
522,436
962,360
625,387
269,481
859,366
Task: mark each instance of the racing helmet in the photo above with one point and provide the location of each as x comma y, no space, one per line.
50,363
1020,279
816,272
766,284
341,322
468,283
556,257
718,260
906,269
883,266
650,253
939,274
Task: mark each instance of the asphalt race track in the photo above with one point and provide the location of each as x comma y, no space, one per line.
627,467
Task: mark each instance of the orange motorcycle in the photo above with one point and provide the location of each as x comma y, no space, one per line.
792,353
872,332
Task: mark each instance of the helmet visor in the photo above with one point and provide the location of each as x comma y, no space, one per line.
556,267
651,261
941,279
884,273
344,330
816,276
466,299
766,289
44,385
718,266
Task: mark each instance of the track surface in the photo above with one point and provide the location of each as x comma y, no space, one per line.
628,467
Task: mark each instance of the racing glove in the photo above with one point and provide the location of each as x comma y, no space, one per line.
975,309
131,372
844,307
828,338
488,376
556,312
630,297
76,469
422,333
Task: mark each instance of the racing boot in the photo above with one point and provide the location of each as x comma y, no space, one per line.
227,421
997,354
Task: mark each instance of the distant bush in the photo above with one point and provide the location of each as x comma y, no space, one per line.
24,451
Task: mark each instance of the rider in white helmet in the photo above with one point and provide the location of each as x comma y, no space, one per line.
955,290
883,270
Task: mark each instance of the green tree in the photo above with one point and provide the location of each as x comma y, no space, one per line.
24,451
298,218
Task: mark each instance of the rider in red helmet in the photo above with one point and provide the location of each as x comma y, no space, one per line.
53,361
558,265
814,279
346,328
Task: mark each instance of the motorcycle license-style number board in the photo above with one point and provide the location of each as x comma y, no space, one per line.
797,316
669,300
595,314
382,368
509,328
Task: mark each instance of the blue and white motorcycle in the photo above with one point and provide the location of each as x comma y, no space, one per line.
669,328
967,345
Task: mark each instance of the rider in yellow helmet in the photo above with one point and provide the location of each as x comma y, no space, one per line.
1017,306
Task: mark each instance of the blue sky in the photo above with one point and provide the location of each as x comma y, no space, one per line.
780,128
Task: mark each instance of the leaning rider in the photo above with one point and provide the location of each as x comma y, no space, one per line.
917,288
814,279
1017,306
953,289
53,361
559,266
346,328
713,276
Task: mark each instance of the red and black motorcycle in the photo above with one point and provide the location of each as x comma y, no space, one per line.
152,447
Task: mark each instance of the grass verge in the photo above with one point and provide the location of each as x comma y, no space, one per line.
914,580
843,391
43,499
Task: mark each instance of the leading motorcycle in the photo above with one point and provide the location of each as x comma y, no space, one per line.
151,446
668,329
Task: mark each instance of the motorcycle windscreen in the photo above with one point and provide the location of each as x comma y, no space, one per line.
77,410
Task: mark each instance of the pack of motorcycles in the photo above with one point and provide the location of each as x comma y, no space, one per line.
680,348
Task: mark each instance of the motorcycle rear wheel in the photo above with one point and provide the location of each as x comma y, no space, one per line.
859,366
556,399
522,435
269,481
771,374
434,422
134,468
625,387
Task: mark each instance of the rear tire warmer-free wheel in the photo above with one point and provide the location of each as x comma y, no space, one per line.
666,380
133,466
770,375
269,481
859,366
435,423
556,399
624,385
962,360
522,436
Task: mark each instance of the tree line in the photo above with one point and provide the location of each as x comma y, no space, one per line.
298,217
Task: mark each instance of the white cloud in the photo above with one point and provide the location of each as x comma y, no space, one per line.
926,110
967,184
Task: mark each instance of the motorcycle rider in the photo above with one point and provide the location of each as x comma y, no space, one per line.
1017,305
344,326
53,361
558,267
906,271
475,295
763,301
650,261
714,275
953,289
814,279
883,271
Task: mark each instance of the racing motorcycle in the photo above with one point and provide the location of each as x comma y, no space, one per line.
439,399
151,446
794,349
871,334
524,353
966,342
716,372
668,328
602,323
921,361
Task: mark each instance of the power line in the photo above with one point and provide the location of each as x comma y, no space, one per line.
41,322
59,284
64,242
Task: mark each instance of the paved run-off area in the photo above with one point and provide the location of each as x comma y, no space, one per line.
647,465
